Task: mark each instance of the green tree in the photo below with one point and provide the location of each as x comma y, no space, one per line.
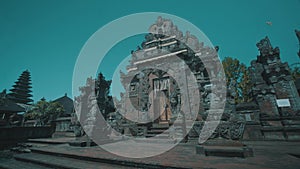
45,112
295,70
237,79
104,99
245,85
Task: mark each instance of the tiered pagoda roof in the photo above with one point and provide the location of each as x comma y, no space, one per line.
21,91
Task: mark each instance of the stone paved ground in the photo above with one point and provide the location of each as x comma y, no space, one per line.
267,155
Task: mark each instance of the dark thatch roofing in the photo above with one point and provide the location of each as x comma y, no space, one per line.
7,105
297,83
67,103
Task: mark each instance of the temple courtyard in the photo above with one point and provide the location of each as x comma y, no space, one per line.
175,93
57,153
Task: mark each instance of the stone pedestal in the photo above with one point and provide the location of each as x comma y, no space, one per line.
252,132
224,148
83,141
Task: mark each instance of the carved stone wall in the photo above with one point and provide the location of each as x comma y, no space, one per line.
273,81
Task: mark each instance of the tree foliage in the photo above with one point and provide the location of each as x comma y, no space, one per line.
295,71
237,79
100,88
45,112
104,99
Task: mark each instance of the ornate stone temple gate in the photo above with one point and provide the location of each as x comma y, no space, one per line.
153,91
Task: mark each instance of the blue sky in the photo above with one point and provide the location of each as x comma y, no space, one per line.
46,37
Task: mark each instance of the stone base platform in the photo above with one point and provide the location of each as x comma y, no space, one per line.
224,148
79,143
267,155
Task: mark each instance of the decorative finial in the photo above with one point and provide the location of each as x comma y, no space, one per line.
298,36
217,48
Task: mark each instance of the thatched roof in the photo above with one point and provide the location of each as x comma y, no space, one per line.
67,103
7,105
297,83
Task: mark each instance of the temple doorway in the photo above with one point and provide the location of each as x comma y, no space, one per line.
161,97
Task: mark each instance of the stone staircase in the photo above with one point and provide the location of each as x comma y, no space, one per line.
158,130
166,131
45,160
63,134
42,157
15,164
55,153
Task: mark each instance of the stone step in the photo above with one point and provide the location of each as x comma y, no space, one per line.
160,125
156,131
63,140
14,164
64,160
222,151
156,140
155,128
63,134
60,162
157,135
